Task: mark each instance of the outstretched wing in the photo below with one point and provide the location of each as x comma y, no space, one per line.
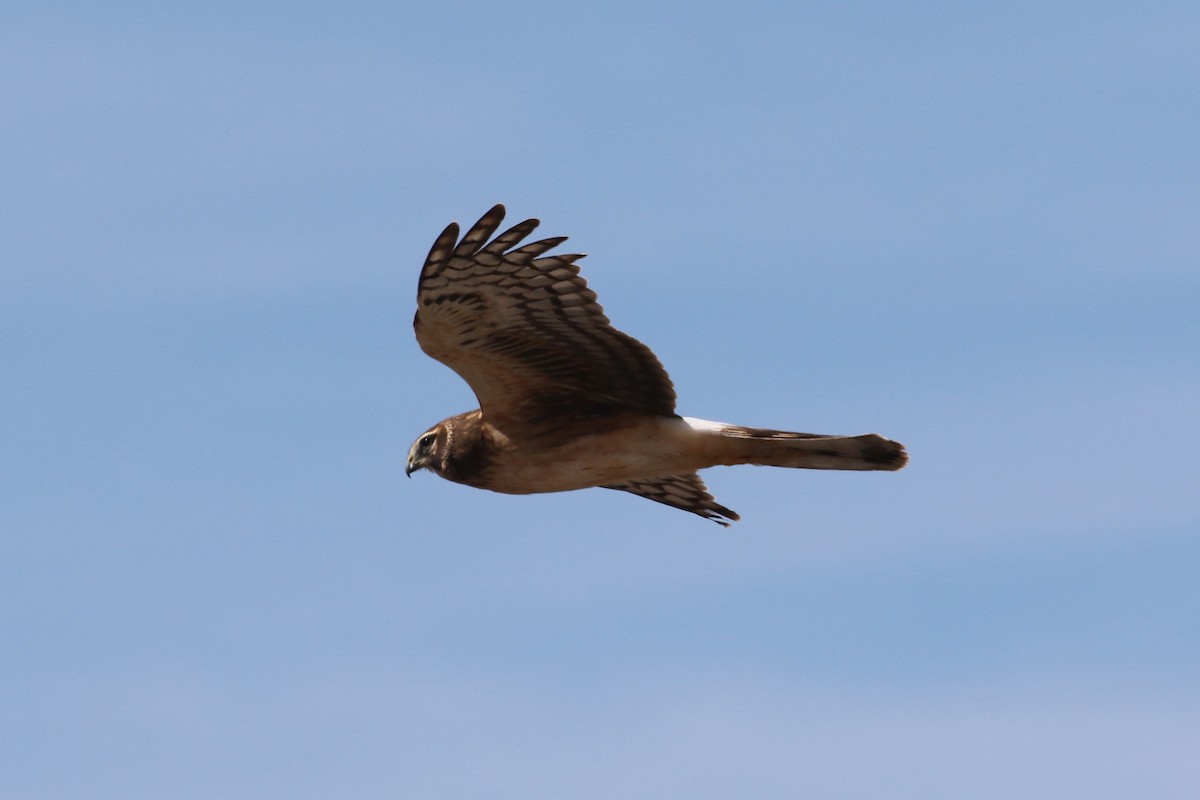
526,333
687,492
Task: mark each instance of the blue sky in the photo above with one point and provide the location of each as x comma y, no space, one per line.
972,228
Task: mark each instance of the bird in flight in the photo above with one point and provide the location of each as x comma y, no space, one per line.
567,401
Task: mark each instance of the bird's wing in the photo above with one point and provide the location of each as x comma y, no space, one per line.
687,492
526,333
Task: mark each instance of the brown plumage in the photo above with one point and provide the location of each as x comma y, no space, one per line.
567,401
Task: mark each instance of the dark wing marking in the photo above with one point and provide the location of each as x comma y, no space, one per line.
687,492
526,333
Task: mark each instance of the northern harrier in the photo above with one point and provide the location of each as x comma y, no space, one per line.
566,400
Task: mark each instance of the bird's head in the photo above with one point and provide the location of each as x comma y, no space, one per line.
453,449
424,453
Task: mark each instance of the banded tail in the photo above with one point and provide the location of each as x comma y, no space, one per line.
768,448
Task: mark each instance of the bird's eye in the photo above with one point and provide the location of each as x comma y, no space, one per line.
427,441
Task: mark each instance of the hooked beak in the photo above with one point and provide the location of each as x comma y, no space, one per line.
412,465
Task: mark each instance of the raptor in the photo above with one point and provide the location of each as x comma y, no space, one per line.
567,401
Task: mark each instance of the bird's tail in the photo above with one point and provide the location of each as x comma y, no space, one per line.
740,445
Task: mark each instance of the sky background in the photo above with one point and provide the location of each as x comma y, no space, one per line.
974,228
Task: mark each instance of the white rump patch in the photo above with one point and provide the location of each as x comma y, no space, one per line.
705,425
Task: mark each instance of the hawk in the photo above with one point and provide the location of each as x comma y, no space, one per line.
567,401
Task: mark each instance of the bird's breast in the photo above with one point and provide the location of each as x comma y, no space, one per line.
641,447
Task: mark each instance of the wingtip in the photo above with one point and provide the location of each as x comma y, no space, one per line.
722,516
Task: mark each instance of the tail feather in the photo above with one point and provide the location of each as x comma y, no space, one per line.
770,448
